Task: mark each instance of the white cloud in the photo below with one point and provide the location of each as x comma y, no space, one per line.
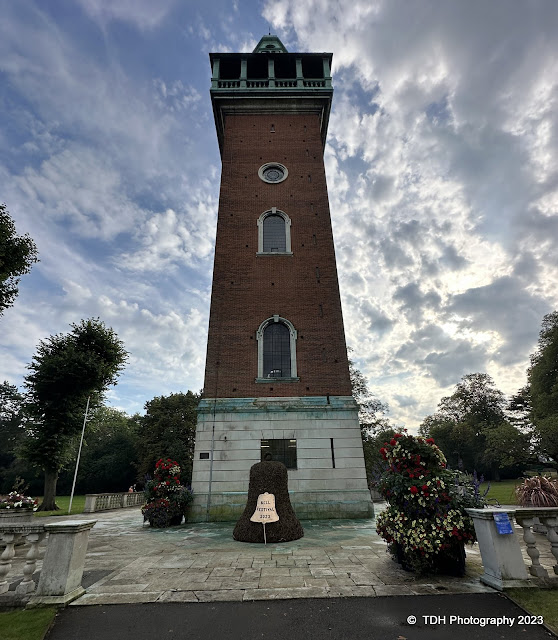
143,14
441,166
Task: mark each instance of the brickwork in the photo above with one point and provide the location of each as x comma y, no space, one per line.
247,288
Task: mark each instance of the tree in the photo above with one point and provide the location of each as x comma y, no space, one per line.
475,400
168,430
17,254
66,370
11,431
374,425
108,458
542,378
468,424
371,411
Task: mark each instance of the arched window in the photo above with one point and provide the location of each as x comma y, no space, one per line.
276,338
274,236
276,351
274,233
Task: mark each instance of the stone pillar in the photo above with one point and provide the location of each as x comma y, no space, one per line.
299,74
243,72
90,503
501,554
62,570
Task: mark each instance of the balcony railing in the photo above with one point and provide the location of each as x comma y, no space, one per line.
272,83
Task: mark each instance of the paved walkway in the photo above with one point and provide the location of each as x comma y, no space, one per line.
128,562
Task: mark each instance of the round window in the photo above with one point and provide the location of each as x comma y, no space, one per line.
273,172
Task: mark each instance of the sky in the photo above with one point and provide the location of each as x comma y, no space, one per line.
441,161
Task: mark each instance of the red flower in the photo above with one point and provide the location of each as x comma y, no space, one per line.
393,442
413,489
430,440
398,435
425,487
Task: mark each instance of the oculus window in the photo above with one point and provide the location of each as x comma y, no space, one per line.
279,451
273,172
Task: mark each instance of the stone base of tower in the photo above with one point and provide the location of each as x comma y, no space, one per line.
330,477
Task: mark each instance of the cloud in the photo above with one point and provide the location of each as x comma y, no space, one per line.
506,307
143,14
441,163
441,160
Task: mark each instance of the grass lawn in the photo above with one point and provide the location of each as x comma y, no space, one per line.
538,602
503,491
78,504
26,624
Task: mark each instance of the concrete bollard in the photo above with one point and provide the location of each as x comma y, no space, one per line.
501,554
62,570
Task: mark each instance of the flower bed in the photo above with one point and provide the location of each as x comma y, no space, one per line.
425,524
17,501
167,500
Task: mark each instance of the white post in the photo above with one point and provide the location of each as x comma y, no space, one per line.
78,456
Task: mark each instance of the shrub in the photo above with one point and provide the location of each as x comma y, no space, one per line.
538,491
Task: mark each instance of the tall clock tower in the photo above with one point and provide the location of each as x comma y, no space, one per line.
277,378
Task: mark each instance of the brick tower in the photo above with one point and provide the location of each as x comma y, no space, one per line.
276,379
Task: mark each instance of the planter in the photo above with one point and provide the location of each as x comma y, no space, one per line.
449,562
173,522
15,516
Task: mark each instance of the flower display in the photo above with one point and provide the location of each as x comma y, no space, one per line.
425,521
166,498
15,500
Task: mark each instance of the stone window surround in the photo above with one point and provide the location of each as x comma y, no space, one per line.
274,212
259,338
270,165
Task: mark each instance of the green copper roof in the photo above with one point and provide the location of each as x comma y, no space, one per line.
270,44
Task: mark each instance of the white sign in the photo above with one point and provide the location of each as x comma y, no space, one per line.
265,509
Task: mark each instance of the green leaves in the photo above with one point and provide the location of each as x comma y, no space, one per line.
168,430
17,254
472,428
543,386
66,369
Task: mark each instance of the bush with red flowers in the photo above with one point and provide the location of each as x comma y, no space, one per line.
425,524
166,499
